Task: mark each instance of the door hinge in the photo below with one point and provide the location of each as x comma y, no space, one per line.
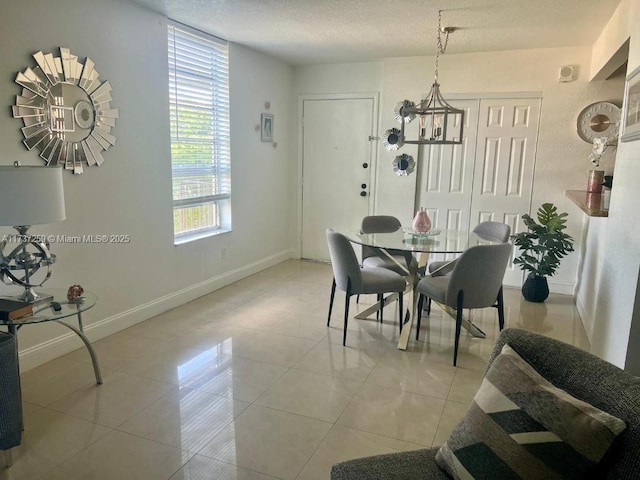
372,138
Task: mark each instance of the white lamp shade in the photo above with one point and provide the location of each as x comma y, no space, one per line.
31,195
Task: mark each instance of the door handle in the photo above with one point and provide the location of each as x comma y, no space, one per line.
363,193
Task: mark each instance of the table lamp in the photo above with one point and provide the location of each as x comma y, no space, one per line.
29,195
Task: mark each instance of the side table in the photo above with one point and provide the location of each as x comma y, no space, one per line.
44,312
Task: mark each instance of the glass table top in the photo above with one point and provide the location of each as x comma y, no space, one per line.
437,241
44,312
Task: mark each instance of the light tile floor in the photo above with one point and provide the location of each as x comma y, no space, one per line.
249,383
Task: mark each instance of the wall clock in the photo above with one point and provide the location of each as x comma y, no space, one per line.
66,110
600,119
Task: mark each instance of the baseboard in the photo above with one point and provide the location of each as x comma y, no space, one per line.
562,288
554,287
46,351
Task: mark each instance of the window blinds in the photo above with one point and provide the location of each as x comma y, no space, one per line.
199,120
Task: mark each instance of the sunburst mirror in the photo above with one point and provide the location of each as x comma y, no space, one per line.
66,110
403,165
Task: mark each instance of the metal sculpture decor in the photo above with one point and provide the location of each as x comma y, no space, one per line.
66,110
439,122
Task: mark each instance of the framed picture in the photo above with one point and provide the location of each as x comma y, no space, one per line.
630,128
266,127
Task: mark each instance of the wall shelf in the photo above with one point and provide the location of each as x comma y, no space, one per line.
589,202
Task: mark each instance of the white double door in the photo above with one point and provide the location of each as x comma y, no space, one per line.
490,175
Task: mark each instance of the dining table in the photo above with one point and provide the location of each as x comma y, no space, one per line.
422,245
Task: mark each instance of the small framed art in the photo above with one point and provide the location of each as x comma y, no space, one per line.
630,128
266,127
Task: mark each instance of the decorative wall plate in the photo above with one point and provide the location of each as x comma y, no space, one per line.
66,111
403,165
399,115
392,139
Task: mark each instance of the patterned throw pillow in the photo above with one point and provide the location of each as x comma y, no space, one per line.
520,426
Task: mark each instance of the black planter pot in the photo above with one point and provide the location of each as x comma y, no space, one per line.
535,289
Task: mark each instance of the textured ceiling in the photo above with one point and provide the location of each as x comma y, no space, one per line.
303,32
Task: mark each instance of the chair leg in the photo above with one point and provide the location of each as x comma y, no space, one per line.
347,300
400,311
381,300
419,314
458,326
358,298
333,294
378,299
429,306
500,309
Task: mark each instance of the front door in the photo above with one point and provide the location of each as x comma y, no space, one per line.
337,156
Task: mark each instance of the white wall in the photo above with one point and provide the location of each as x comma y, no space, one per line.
562,162
131,193
614,315
593,261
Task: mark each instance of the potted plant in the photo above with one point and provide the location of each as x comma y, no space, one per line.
542,247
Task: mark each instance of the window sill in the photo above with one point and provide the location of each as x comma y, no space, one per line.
199,236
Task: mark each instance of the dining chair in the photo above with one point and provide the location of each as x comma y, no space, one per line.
353,279
475,282
401,259
493,231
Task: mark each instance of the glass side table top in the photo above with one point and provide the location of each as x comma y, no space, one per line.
44,312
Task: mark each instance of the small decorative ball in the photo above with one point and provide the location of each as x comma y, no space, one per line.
74,293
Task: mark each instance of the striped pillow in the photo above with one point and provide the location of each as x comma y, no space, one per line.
520,426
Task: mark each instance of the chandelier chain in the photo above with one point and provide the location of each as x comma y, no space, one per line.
440,48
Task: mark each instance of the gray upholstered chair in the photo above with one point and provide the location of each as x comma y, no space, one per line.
575,371
475,282
494,231
353,279
385,224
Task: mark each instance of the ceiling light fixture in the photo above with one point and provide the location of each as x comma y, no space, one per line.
439,122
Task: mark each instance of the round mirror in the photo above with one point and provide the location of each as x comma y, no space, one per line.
399,114
392,139
403,165
66,110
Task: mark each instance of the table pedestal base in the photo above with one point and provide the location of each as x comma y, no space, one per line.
467,324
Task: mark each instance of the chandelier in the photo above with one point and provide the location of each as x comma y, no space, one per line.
437,122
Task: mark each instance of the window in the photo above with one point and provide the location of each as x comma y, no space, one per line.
199,118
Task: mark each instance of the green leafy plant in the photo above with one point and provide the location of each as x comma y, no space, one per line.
544,243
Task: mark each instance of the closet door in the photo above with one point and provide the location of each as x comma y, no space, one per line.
490,175
505,162
446,174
